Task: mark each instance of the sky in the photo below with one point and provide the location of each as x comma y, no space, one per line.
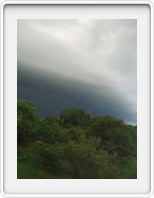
79,63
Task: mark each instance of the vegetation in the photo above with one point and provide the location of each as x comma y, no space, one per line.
74,145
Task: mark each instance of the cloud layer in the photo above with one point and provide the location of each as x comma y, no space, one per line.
89,64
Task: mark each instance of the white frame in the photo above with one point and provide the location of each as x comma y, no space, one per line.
2,80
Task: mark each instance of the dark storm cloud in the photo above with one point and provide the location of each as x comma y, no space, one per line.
77,63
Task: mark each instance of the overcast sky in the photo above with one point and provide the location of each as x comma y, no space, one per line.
89,64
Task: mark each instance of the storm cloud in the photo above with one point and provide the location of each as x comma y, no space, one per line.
89,64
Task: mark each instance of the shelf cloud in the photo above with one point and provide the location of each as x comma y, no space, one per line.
89,64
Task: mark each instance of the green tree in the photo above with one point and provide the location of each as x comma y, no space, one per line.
101,124
116,136
74,145
74,117
27,117
84,160
48,129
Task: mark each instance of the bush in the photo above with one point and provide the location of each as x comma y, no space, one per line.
74,145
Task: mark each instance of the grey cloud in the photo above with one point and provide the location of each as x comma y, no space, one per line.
64,63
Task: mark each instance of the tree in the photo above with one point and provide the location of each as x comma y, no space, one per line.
101,124
27,117
47,130
74,145
74,117
116,136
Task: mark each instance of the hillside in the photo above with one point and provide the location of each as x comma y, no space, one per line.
74,145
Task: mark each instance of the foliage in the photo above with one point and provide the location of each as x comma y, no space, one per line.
74,117
74,145
26,120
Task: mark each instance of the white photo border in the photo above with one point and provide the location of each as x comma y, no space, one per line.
5,3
